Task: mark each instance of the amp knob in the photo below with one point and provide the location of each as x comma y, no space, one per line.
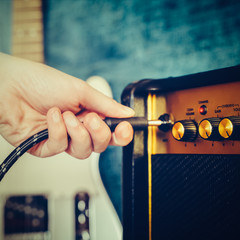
229,128
208,129
185,130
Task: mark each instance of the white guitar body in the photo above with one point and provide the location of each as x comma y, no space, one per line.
60,178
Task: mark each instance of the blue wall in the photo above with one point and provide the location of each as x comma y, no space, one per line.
5,25
127,40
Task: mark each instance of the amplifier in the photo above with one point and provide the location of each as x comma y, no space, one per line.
184,182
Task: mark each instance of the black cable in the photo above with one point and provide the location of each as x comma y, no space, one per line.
20,150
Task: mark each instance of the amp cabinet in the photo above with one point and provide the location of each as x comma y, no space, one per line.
184,182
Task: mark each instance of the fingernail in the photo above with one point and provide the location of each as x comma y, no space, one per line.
56,116
115,139
94,123
129,111
72,149
71,121
124,132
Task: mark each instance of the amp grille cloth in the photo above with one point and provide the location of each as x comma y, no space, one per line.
195,196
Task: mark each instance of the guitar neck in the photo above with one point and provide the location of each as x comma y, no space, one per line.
27,36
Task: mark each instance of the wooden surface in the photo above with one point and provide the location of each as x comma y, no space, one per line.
27,30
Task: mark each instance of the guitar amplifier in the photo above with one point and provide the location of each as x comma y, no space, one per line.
183,182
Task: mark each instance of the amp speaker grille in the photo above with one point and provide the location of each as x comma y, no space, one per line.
195,196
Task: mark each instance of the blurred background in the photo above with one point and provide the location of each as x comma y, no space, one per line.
128,40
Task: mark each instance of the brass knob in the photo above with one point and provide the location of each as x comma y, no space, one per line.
229,128
178,131
185,130
208,129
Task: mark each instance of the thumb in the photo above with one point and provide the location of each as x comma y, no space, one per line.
93,100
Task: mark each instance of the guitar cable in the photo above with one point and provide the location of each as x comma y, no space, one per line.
138,123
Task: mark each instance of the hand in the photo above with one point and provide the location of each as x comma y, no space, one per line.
34,97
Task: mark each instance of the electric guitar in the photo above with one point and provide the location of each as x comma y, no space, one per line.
55,198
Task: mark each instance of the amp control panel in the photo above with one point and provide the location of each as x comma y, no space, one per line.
206,119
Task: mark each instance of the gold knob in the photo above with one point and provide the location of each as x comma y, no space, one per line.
178,131
184,130
225,128
208,129
205,129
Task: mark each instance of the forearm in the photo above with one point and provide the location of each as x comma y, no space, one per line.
12,116
2,65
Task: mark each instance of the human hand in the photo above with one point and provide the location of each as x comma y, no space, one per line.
34,97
